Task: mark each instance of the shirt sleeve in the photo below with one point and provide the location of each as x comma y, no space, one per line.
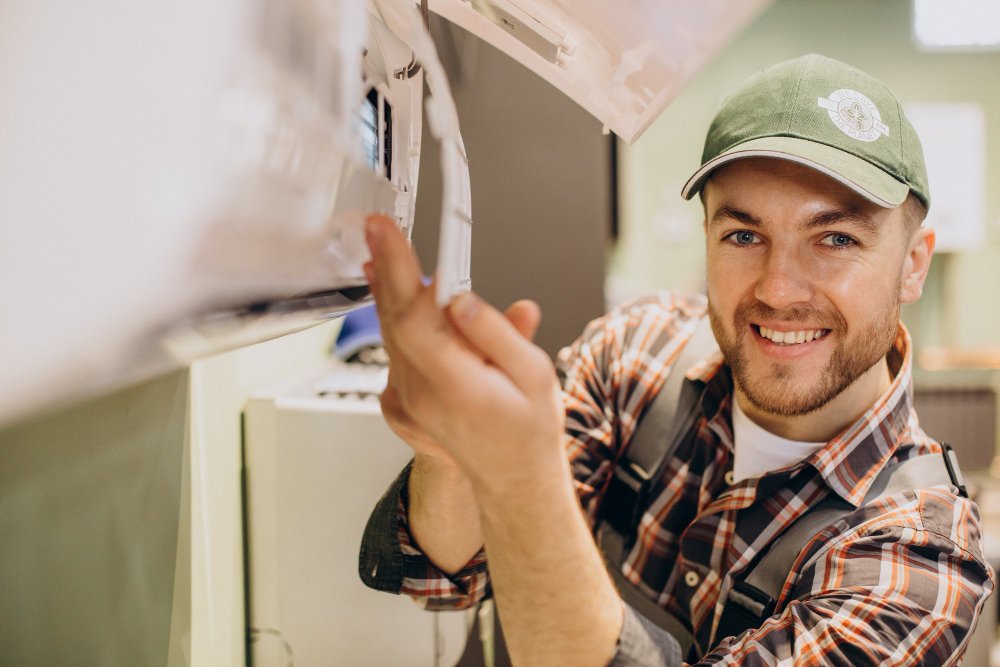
889,594
644,644
390,561
380,561
431,587
608,375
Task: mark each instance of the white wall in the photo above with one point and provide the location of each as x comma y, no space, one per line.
220,386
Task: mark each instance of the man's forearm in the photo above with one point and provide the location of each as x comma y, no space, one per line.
490,400
443,514
556,600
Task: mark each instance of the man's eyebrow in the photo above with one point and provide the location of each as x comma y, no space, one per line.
730,213
840,216
821,219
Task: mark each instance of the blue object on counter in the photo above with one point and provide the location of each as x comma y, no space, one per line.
360,329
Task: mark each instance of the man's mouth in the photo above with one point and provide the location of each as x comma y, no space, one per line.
790,337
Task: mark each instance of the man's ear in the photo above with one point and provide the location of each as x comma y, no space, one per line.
916,264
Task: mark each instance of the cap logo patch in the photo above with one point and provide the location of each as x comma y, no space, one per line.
854,114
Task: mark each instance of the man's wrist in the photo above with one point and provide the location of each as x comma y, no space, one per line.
542,480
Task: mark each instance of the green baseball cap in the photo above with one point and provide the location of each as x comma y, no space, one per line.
826,115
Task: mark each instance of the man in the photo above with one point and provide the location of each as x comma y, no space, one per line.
814,191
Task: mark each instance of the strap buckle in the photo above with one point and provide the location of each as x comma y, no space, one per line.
951,463
746,607
751,599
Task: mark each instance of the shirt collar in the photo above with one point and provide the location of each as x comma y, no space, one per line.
706,368
850,461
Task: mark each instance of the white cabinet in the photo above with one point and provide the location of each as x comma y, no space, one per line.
315,467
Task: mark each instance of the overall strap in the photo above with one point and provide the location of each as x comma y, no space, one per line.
754,593
662,426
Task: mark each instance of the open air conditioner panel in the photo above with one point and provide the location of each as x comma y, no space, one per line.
621,61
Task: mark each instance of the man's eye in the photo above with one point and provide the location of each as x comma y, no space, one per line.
839,240
743,238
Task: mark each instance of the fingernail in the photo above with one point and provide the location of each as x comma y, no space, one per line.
466,306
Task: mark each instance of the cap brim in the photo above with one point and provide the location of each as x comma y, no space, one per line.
859,175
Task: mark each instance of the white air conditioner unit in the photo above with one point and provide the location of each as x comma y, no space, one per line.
178,178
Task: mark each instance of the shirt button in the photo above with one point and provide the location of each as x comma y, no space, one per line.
691,578
730,478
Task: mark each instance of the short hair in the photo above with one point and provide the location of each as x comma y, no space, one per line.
914,213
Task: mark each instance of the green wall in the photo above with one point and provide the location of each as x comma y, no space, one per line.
662,241
90,511
121,521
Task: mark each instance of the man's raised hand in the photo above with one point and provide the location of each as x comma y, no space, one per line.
465,383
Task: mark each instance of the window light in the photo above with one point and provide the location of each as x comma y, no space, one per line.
957,24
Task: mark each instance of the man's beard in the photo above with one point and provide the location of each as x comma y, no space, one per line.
774,389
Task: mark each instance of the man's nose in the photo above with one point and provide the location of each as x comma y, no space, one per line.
785,280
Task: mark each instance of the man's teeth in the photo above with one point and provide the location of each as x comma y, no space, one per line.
792,337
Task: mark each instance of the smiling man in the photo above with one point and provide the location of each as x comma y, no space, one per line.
805,282
814,192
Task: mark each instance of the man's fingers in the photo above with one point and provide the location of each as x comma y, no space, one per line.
394,273
525,316
500,341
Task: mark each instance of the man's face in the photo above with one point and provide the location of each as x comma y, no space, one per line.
805,279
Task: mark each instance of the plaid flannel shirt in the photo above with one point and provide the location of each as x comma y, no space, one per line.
899,581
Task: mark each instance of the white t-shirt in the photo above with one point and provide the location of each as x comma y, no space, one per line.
758,451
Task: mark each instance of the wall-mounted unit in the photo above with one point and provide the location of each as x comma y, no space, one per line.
185,177
181,177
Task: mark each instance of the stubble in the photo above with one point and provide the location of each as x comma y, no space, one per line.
775,387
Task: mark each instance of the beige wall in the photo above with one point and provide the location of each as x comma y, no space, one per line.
662,243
